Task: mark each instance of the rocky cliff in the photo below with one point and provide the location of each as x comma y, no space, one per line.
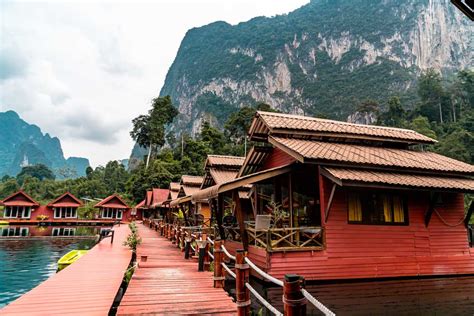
24,144
320,59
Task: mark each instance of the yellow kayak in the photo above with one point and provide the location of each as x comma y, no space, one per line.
70,258
3,223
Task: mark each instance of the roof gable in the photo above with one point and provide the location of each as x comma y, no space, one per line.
269,123
66,200
112,201
159,196
19,198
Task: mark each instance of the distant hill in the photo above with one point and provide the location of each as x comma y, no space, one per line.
25,144
320,60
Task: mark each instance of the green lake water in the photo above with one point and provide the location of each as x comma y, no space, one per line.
25,262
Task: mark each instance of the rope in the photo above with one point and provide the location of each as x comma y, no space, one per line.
210,241
227,253
263,274
448,224
210,255
232,274
263,301
326,311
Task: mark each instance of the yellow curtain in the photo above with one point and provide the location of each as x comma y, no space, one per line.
398,213
387,212
355,208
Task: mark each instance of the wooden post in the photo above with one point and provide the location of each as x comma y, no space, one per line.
202,252
187,245
219,216
218,275
293,299
242,293
178,233
240,219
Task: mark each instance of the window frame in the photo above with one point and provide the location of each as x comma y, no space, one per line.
391,193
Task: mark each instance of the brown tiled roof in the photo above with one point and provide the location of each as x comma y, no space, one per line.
266,123
310,150
221,176
188,190
400,179
191,180
228,161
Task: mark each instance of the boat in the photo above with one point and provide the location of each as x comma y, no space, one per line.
3,223
70,258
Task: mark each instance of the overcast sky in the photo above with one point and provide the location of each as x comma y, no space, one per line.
82,70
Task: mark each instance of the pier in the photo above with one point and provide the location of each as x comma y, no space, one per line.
87,287
168,284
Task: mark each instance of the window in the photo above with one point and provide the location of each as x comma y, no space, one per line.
26,213
62,231
377,208
65,212
14,231
11,211
111,213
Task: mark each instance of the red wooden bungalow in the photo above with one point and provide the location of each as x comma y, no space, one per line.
219,169
188,186
334,200
114,208
154,203
64,207
19,206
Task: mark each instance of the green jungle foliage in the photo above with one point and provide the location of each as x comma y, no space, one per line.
445,111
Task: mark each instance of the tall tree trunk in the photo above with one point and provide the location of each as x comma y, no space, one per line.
148,157
440,113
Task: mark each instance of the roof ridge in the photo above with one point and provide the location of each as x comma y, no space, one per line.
311,118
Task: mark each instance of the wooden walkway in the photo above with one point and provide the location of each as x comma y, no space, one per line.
169,284
87,287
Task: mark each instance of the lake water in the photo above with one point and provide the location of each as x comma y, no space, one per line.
27,261
426,296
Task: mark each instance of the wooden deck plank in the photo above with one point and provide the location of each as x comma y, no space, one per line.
87,287
169,284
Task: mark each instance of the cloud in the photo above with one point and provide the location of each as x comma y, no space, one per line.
82,70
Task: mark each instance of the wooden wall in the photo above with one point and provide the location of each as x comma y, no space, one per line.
369,251
277,158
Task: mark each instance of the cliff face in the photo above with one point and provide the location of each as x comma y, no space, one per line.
24,144
319,59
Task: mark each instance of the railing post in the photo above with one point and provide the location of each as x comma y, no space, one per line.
242,293
218,275
206,253
178,236
202,251
187,246
293,299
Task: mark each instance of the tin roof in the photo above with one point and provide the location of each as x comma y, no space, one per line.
326,152
345,176
159,196
269,123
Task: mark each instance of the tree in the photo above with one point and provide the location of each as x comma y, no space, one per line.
149,130
422,126
395,114
431,93
39,171
8,187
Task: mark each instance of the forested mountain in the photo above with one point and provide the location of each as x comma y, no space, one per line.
322,59
23,144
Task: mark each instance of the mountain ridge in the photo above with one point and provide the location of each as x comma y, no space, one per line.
320,59
25,144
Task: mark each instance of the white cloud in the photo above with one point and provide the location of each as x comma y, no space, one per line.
82,70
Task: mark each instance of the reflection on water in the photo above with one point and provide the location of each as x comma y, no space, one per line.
428,296
25,262
44,231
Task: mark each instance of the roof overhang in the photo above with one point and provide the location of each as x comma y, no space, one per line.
239,183
347,177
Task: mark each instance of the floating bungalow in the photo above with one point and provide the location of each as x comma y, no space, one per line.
153,205
19,206
64,206
335,200
114,208
193,214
